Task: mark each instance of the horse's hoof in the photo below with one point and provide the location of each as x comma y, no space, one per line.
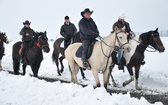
124,84
138,88
114,84
61,71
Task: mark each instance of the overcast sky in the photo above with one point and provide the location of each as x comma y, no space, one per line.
48,15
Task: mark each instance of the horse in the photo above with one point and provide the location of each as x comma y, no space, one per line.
33,55
59,50
99,60
135,57
3,39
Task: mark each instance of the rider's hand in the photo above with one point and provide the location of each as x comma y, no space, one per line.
130,32
27,34
127,33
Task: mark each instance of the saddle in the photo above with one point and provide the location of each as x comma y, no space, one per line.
89,53
21,46
20,50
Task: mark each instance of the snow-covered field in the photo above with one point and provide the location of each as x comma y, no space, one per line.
27,90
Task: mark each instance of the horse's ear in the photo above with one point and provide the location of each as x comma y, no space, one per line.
45,32
123,28
156,30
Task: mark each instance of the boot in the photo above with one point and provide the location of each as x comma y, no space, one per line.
85,62
120,67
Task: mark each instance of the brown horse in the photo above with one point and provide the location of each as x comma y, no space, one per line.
59,50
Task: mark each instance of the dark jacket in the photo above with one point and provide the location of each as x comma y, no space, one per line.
27,30
88,29
68,31
121,24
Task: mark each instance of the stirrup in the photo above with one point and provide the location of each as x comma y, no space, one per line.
85,64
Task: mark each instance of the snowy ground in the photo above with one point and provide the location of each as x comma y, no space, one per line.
26,90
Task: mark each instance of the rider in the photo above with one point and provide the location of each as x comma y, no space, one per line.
88,33
27,35
120,24
68,30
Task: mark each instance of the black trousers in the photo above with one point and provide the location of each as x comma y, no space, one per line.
85,45
67,42
25,46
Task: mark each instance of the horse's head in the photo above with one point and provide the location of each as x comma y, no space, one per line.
43,41
121,39
4,38
155,40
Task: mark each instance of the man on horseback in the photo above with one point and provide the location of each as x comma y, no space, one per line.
88,33
120,24
27,37
68,30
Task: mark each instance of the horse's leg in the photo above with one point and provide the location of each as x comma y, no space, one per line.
35,69
62,66
55,57
137,68
24,69
0,65
82,73
112,78
16,65
106,76
95,74
131,75
74,70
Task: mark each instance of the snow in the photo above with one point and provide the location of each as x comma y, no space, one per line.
27,90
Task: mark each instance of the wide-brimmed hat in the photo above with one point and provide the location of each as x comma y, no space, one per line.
122,15
87,10
26,22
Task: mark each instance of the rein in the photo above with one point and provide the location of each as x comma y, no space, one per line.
116,38
38,42
154,50
120,46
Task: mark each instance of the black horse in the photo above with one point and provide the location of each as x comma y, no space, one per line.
3,39
59,50
136,56
33,55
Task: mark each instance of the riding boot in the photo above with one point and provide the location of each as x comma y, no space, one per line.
85,62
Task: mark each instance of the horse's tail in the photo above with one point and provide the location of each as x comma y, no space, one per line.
55,56
16,57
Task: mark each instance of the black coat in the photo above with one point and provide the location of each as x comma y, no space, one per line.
68,31
121,24
27,30
88,29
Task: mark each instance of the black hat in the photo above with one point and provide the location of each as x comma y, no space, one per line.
66,17
87,10
27,22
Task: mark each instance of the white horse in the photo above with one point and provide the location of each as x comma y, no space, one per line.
99,60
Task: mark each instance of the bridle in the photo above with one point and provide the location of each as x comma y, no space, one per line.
154,39
116,40
1,40
42,45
